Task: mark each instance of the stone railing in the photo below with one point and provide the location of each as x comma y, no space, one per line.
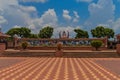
81,43
66,42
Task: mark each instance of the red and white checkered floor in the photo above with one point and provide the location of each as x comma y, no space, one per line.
55,68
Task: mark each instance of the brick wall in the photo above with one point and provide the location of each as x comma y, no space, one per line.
2,46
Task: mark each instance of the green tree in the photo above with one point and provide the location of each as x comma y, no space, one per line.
33,36
46,32
81,33
25,32
22,32
13,31
109,32
101,31
24,45
96,44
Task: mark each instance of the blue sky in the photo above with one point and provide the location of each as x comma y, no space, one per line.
60,14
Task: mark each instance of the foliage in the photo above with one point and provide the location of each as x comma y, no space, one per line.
100,31
81,33
59,46
21,32
33,36
46,32
109,32
25,32
13,31
24,45
96,43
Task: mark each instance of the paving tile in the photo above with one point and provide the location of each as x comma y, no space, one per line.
57,68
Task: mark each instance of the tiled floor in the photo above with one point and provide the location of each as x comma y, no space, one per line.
55,68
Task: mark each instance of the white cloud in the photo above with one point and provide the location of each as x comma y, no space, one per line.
76,18
48,18
104,25
16,14
41,1
66,15
76,14
16,26
116,25
2,20
84,1
28,9
101,12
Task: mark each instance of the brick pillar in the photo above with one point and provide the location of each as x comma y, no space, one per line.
106,41
118,48
118,38
2,47
15,42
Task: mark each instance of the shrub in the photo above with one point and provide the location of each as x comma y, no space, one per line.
59,46
96,44
24,45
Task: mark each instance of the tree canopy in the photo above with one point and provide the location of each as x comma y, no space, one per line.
33,36
109,32
21,32
81,33
46,32
101,31
96,43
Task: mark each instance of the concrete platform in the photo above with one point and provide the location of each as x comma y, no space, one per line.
70,53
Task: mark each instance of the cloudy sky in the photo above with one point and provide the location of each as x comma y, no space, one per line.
60,14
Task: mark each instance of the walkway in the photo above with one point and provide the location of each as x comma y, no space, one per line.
55,68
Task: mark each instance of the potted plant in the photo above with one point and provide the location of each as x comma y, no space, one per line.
96,44
59,50
24,45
